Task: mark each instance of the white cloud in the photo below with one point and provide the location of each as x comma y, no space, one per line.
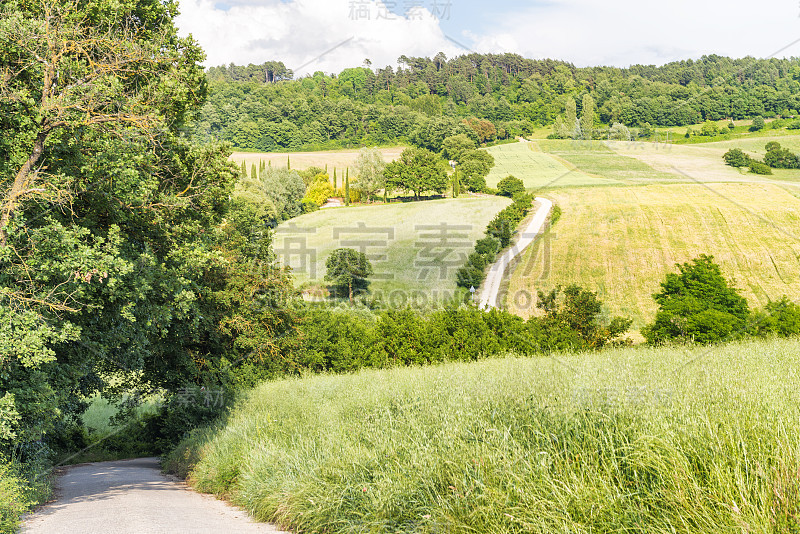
585,32
624,32
300,32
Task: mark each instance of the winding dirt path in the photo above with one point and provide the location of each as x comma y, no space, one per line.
132,496
491,286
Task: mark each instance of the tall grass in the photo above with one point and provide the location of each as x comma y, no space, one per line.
629,440
21,487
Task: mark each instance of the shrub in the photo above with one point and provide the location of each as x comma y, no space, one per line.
488,247
320,191
794,125
781,318
758,124
736,158
620,132
780,158
309,206
758,167
510,186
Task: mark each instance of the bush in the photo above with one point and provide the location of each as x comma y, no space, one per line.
620,132
488,247
510,186
309,206
794,125
758,124
320,191
757,167
736,158
781,318
780,158
20,489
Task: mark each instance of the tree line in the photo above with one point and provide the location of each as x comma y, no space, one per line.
262,107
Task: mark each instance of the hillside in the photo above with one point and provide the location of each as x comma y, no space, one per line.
642,440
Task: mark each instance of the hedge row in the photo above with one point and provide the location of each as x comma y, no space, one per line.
498,236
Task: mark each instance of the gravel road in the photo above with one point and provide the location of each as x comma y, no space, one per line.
132,496
491,286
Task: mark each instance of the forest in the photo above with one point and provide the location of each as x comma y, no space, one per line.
262,107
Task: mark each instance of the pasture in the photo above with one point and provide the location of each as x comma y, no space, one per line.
656,440
622,241
538,169
415,247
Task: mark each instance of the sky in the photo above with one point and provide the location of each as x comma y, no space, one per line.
331,35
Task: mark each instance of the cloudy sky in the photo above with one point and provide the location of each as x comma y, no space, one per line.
329,35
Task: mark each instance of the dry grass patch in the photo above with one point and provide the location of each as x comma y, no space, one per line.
621,242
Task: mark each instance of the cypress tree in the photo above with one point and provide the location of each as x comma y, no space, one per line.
288,163
571,116
587,120
253,172
334,178
347,188
243,170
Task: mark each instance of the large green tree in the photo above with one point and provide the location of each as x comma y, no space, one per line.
369,169
348,269
417,170
113,258
697,304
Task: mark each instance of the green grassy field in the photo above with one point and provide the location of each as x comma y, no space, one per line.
622,241
537,169
415,247
628,440
595,158
339,159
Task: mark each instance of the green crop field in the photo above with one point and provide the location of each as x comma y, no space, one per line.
340,159
537,169
597,159
622,241
415,247
626,440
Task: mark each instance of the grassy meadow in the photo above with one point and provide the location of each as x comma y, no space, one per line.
537,169
339,159
636,440
622,241
415,248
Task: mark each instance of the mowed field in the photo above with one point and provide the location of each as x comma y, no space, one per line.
415,248
538,170
703,162
340,159
622,241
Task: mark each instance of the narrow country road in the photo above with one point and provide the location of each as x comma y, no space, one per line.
491,286
132,496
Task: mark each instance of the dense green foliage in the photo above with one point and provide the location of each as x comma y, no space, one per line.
510,186
626,440
698,304
427,100
127,260
735,157
344,340
417,171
